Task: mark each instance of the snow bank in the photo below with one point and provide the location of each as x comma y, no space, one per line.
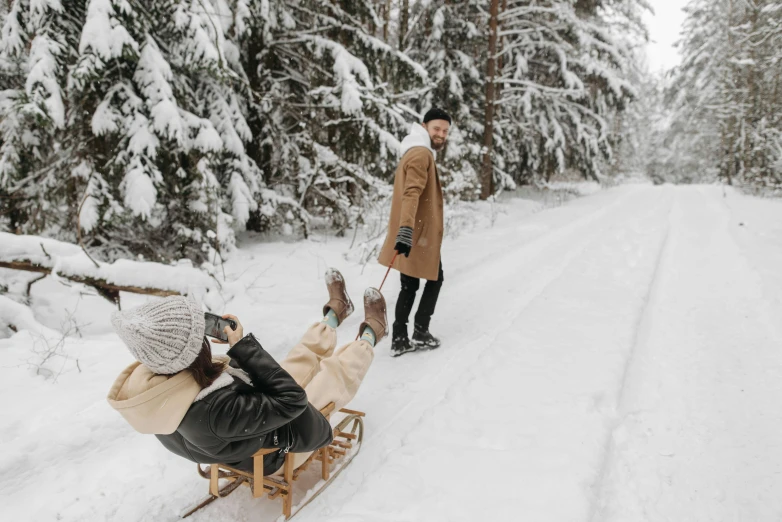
584,188
15,317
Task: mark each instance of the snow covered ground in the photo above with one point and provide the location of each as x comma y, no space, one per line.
613,359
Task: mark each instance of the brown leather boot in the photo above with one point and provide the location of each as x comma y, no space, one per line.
339,301
374,314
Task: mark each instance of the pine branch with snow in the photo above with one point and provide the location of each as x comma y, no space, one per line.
565,74
725,96
448,38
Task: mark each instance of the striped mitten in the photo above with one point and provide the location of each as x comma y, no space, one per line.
404,241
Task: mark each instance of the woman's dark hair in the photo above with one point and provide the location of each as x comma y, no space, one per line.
205,371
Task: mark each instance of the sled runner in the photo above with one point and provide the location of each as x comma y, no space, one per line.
348,435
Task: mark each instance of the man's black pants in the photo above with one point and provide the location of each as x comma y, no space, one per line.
404,305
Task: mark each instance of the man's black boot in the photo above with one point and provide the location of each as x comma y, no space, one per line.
400,345
400,342
422,338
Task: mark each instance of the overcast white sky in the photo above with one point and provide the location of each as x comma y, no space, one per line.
664,31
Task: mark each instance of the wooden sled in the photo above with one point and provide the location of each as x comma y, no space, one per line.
335,457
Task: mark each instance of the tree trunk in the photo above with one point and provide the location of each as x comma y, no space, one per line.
487,169
386,19
404,21
501,58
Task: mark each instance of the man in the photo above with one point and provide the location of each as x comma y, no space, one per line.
415,230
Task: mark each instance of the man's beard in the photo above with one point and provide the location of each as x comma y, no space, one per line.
437,146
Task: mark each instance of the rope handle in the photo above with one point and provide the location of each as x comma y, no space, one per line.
387,271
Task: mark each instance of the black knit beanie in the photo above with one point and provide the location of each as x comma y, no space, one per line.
437,114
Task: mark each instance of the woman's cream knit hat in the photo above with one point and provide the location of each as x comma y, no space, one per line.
165,335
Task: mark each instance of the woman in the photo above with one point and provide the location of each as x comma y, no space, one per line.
224,409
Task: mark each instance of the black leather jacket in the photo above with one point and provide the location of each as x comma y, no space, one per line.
230,424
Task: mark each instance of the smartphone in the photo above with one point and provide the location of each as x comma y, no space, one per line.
215,326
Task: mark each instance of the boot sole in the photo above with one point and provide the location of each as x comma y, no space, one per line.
422,344
416,348
397,354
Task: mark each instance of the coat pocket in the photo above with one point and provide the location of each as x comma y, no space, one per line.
422,240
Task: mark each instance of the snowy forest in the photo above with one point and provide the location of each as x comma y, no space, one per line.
568,310
161,129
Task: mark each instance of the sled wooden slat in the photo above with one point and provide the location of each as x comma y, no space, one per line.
258,470
351,436
273,482
353,412
214,484
281,486
324,468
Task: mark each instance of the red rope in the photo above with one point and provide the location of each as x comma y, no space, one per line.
387,271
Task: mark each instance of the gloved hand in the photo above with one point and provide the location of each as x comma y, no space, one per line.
404,241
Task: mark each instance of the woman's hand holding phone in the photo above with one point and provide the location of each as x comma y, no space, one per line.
234,336
231,333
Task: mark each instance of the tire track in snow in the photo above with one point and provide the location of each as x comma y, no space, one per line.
696,445
642,329
508,249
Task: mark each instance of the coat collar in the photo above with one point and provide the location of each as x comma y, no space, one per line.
225,379
418,137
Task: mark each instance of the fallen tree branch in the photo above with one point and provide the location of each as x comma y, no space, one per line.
31,283
108,290
70,263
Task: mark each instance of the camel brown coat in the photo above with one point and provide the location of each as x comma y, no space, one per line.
417,203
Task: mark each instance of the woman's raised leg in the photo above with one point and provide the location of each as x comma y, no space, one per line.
303,361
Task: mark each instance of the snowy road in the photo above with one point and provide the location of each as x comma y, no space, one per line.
614,359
